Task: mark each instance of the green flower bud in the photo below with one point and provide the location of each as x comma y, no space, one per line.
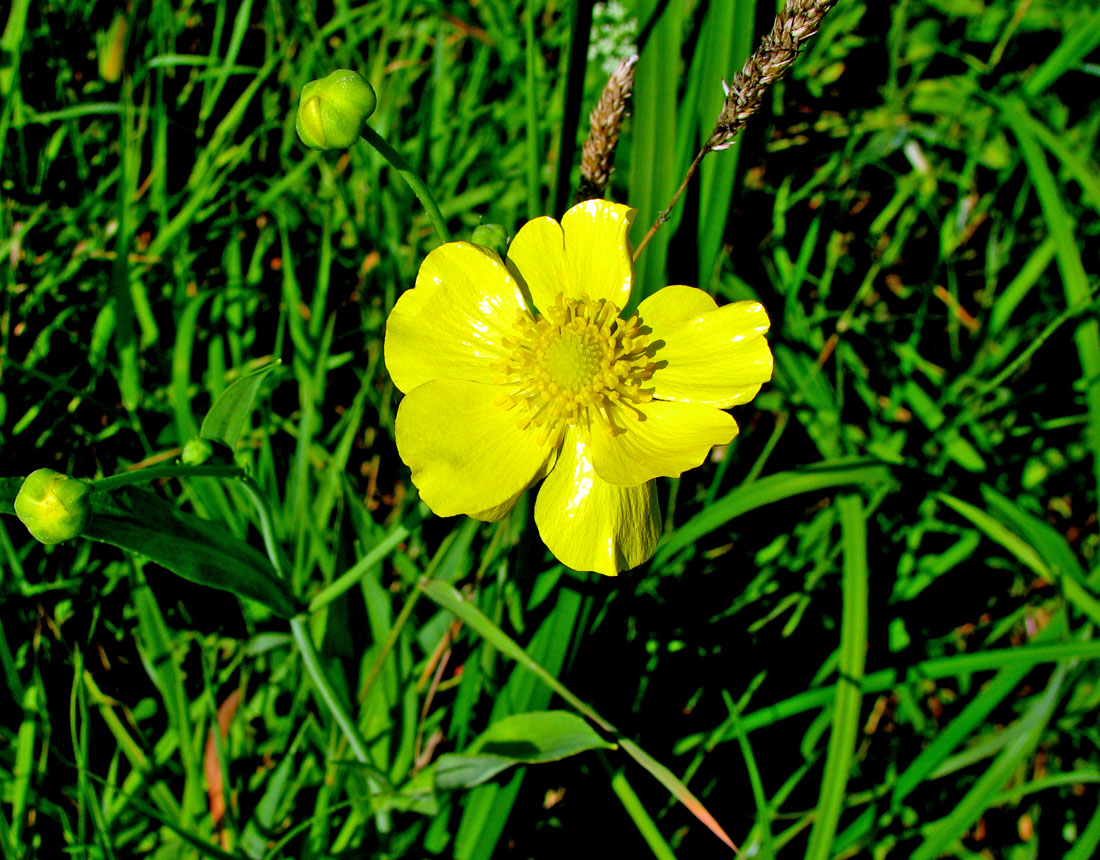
492,236
197,451
332,110
53,507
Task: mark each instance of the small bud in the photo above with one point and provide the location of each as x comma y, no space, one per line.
492,236
53,507
197,451
333,109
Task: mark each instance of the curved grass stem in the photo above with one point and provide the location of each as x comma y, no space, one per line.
267,527
312,661
302,638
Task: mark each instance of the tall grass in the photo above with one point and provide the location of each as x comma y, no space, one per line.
869,628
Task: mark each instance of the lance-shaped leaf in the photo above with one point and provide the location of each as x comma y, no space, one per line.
539,736
194,548
227,417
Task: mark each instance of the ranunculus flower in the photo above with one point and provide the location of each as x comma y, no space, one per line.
521,369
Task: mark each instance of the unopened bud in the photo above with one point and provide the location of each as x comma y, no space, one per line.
53,507
492,236
197,451
333,109
200,450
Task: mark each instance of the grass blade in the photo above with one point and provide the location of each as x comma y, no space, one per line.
531,116
1070,265
849,693
725,43
774,488
1074,47
643,821
956,666
1076,592
983,794
654,163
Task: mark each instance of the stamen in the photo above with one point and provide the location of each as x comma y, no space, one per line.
575,365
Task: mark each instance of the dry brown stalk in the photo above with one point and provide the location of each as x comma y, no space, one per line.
793,26
605,122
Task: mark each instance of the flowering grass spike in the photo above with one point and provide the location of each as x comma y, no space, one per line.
522,368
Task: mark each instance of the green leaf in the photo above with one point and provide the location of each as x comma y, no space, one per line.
1052,562
1025,737
416,795
774,488
456,770
446,596
227,417
539,736
194,548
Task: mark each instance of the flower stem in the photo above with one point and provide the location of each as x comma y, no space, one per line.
302,637
155,473
405,169
672,203
795,24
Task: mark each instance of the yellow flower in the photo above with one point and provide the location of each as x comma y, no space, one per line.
521,369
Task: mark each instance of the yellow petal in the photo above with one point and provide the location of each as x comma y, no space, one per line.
537,255
674,305
597,252
717,358
451,323
672,438
589,524
588,253
499,512
465,452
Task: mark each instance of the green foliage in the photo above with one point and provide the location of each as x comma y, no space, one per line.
520,738
231,412
869,628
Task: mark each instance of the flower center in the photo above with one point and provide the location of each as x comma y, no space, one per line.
573,360
576,365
